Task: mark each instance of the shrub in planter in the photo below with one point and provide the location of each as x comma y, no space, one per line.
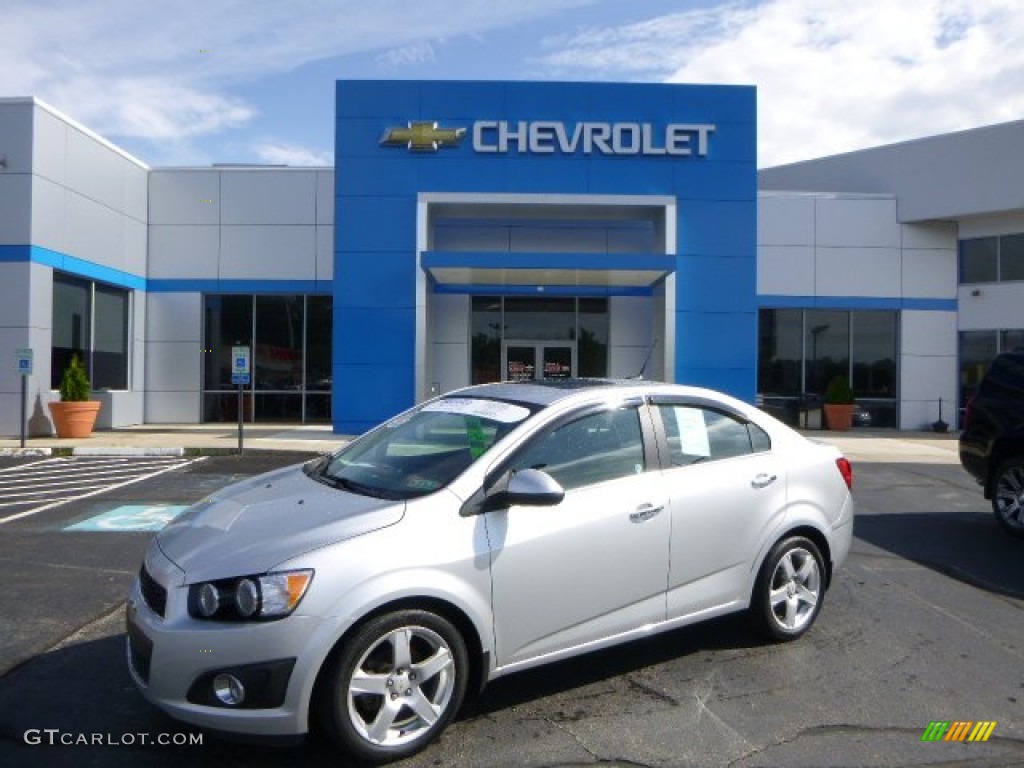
839,403
75,414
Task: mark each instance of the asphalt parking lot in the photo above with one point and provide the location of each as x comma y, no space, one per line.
924,623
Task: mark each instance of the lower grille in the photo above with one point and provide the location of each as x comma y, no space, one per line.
140,652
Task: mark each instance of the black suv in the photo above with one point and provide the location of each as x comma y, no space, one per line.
992,441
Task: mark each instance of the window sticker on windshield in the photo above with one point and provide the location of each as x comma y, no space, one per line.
477,438
506,413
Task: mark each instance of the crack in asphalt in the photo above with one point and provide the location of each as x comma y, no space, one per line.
597,759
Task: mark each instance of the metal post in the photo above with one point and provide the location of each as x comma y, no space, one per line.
241,417
24,407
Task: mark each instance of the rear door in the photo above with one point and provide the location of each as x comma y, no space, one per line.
727,497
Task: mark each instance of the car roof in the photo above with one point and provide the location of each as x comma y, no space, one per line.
544,392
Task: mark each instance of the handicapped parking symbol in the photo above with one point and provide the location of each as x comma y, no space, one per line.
130,518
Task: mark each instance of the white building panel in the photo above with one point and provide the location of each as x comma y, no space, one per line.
624,362
136,192
49,146
987,306
325,197
630,321
180,252
184,197
854,221
325,253
14,308
984,226
135,242
172,366
174,317
941,235
785,270
450,366
930,334
94,232
40,290
49,215
268,253
923,382
172,407
137,361
16,208
929,274
268,197
16,130
95,171
785,220
858,272
450,318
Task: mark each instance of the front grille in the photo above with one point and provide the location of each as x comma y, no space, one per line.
154,595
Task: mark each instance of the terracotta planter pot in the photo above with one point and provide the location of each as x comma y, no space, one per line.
838,417
74,419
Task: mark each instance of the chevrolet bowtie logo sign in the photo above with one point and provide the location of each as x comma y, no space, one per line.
422,137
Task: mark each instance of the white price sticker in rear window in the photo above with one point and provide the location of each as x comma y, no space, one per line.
506,413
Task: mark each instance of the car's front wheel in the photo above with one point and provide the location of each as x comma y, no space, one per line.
1008,497
394,685
789,590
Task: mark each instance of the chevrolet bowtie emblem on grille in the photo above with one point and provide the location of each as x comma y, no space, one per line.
422,137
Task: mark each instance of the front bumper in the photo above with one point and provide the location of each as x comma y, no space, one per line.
174,658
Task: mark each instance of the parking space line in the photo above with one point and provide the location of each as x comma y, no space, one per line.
104,489
79,473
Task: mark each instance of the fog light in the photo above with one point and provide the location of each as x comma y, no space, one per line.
229,690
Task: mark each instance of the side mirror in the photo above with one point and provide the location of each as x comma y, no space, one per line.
528,488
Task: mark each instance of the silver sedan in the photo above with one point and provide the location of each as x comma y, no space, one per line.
491,530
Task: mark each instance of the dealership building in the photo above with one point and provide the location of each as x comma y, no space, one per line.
483,231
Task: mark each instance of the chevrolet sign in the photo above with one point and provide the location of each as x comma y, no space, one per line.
545,137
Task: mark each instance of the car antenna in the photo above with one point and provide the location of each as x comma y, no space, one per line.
640,373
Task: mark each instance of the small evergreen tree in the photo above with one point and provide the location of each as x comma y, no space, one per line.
74,384
838,391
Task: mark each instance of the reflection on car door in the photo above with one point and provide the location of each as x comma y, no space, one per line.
727,495
594,565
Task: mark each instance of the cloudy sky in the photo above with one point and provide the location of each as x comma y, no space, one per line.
200,81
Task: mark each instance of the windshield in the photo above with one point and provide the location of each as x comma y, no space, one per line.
421,451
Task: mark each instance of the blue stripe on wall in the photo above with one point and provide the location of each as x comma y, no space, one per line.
855,302
13,254
72,265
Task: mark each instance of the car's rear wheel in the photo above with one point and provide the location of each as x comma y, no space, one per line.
394,685
789,590
1008,497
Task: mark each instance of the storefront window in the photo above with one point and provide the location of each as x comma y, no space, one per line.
485,348
800,351
290,338
592,341
90,320
992,259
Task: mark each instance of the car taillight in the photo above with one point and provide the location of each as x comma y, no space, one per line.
846,470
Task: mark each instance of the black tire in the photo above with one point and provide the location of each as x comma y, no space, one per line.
348,717
789,590
1008,497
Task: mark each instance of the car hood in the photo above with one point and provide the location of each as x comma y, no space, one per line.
250,527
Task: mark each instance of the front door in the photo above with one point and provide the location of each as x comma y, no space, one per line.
525,360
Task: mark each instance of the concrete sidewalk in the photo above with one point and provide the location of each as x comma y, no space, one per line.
180,439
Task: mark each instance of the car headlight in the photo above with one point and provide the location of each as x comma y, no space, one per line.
269,596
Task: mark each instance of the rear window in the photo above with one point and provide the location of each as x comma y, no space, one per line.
1005,379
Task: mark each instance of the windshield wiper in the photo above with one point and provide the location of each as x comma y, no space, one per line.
358,488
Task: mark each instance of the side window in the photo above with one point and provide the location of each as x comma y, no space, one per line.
592,449
759,439
698,434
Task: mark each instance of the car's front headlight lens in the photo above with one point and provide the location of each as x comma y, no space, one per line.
267,596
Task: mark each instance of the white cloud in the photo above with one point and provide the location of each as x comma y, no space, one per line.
160,69
291,154
832,75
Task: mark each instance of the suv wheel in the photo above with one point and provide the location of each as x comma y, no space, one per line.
1008,497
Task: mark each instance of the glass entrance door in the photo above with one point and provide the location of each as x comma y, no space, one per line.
525,360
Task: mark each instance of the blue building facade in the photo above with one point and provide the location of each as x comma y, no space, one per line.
458,199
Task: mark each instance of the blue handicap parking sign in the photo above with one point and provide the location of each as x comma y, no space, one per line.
132,517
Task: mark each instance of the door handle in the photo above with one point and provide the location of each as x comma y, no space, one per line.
645,512
763,480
